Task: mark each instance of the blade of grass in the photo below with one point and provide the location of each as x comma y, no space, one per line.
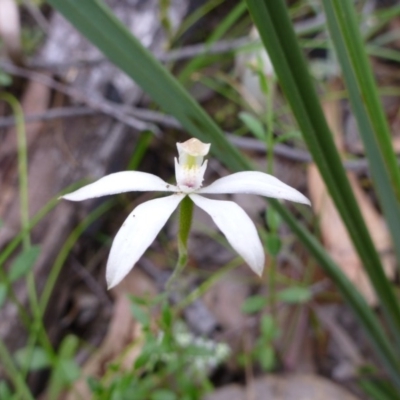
21,386
279,38
97,23
196,16
66,249
198,62
22,162
367,108
365,316
36,327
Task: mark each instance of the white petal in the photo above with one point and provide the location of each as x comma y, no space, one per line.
238,228
254,182
120,182
136,234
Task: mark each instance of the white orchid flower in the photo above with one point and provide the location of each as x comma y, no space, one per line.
144,223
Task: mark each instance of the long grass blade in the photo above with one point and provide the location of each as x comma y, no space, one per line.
368,110
278,36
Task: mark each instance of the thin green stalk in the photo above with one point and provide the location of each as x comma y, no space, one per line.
196,16
141,147
65,251
366,317
207,284
37,326
21,386
221,29
185,223
7,252
22,162
12,246
272,284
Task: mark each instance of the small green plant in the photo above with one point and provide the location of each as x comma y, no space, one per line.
172,362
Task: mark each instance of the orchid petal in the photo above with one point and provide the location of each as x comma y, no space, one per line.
254,182
136,235
120,182
237,227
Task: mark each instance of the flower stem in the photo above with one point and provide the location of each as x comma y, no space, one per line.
185,222
21,387
272,285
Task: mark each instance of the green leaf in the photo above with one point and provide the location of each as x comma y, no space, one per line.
253,124
32,359
23,263
5,391
5,79
269,328
254,304
140,314
378,389
273,219
142,360
266,357
167,316
68,371
3,294
274,244
163,394
68,347
294,295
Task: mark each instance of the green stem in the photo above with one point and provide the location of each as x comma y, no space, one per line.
185,223
206,285
65,251
272,284
23,391
24,211
12,246
22,162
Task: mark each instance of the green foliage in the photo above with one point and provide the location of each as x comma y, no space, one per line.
254,304
278,36
3,293
172,364
294,295
254,125
32,359
23,263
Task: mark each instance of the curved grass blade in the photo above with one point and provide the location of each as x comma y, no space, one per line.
278,36
367,108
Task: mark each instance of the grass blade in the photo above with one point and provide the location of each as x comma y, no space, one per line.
367,108
278,36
